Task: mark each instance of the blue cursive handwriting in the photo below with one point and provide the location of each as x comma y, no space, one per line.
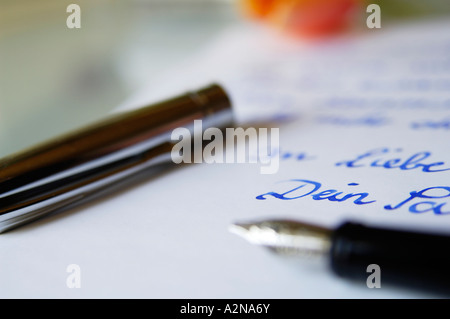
297,156
432,124
437,192
311,188
286,155
377,158
367,120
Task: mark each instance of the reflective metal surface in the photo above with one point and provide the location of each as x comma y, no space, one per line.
74,166
286,237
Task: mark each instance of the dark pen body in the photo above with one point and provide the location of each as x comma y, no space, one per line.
111,135
404,258
74,166
410,259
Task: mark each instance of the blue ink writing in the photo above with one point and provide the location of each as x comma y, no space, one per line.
297,156
378,158
369,120
305,188
437,192
430,124
287,155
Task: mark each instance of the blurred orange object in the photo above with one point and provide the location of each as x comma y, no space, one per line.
303,17
258,8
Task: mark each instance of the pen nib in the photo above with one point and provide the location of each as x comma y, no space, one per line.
286,237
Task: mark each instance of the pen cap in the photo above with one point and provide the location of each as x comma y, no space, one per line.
151,124
416,260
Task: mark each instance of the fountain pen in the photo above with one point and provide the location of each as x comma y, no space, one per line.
89,162
404,258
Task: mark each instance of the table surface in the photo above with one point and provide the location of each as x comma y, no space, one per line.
54,79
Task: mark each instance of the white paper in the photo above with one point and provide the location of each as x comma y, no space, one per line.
385,91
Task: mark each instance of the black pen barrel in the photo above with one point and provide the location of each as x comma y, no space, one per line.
414,260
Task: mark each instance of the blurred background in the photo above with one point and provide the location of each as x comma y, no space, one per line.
54,79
